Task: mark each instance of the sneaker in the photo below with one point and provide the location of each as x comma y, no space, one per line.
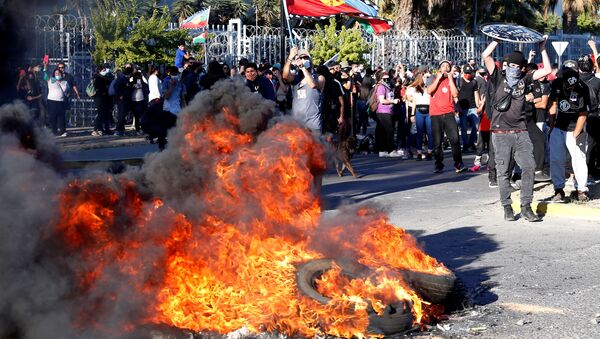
428,156
438,169
394,154
63,135
541,177
384,155
96,133
475,168
493,183
419,157
559,196
460,169
405,156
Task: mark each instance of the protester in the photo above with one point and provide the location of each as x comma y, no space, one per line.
181,55
139,99
57,88
332,102
586,68
72,86
570,103
443,91
104,104
258,83
34,95
384,131
509,131
213,74
174,101
469,104
418,107
123,89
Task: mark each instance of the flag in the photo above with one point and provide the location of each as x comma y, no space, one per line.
373,25
200,39
197,20
325,8
332,61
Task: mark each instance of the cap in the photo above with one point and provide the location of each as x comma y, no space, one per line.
516,57
303,53
106,65
344,64
276,66
468,69
570,65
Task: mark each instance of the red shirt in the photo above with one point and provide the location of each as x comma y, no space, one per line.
441,99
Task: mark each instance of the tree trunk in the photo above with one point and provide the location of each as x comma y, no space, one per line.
404,15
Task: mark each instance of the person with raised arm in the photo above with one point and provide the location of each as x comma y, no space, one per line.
509,132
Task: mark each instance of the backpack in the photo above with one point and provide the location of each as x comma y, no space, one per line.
594,99
90,90
373,100
112,91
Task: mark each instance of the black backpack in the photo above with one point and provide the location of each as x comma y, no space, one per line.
594,87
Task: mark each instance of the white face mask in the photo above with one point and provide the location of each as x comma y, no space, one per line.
105,72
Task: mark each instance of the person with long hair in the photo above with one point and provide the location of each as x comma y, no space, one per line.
418,102
384,132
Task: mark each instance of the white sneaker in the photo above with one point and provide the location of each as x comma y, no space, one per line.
395,154
384,155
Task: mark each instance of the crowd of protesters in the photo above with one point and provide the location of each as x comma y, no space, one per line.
528,117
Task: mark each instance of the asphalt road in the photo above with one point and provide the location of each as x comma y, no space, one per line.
525,280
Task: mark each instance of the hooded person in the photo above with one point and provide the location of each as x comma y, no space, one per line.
510,139
586,75
569,107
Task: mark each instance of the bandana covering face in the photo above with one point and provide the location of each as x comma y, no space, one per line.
513,75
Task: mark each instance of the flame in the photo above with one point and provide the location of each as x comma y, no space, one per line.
234,264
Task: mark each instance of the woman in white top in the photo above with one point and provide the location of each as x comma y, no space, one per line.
154,85
418,111
57,88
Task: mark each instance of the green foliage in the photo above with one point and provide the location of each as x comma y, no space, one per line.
548,25
119,40
348,42
589,22
183,9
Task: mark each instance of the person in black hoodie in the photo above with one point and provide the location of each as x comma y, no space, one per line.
123,98
258,83
214,73
104,104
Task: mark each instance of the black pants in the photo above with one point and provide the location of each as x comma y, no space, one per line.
538,139
56,117
401,126
122,109
168,120
441,124
384,132
593,151
138,108
104,115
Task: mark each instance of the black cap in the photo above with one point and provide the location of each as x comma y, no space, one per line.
467,69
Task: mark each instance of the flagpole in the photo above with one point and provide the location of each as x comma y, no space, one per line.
205,40
287,20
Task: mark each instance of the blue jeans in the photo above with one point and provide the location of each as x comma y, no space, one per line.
423,122
468,117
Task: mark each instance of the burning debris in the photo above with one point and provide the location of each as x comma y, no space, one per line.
210,236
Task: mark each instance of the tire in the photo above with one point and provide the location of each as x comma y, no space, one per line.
395,319
433,288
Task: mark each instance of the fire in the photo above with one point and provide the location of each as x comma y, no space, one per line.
233,264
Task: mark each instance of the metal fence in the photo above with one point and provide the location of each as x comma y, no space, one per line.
70,39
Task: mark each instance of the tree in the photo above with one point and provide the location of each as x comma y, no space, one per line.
120,39
183,9
266,12
588,22
349,43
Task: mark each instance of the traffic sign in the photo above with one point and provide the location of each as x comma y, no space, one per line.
559,47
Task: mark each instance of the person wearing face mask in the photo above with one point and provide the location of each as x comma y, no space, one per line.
569,107
443,91
174,101
306,91
592,124
57,87
468,101
123,91
102,79
510,139
384,131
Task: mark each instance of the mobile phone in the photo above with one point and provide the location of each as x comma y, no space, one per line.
46,58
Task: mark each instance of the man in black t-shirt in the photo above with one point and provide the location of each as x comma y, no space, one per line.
468,101
592,124
570,103
535,116
509,131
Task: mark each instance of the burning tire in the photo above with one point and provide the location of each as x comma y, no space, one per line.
433,288
395,318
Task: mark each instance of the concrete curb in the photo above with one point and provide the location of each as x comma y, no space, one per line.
570,210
